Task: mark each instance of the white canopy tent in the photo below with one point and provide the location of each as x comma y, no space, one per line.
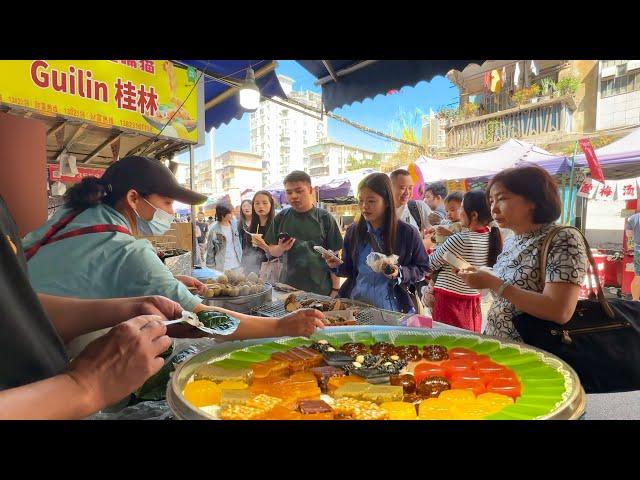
481,164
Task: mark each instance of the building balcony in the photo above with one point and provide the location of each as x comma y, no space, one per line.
319,171
544,117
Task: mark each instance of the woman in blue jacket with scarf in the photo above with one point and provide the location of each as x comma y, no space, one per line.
379,230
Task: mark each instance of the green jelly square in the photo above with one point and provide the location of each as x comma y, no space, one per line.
543,374
484,348
297,342
364,337
417,340
541,401
278,347
531,411
253,357
504,353
445,340
465,342
531,366
339,339
519,360
263,349
382,337
232,364
502,415
543,390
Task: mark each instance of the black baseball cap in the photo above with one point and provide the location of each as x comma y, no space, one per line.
147,175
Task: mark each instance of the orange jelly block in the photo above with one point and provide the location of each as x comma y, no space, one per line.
269,368
295,362
281,413
311,357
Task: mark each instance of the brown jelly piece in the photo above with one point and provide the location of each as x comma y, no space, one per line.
431,387
407,382
354,349
313,406
435,353
410,353
383,349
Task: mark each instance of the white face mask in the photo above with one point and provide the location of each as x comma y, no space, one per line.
158,225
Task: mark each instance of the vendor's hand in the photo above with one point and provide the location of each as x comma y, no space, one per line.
119,362
394,274
302,322
156,305
444,231
286,245
192,282
479,279
332,262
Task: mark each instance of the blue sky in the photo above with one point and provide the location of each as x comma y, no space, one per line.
378,113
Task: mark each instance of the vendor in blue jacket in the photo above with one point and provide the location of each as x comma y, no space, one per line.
379,230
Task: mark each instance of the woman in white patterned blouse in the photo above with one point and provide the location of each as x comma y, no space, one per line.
526,200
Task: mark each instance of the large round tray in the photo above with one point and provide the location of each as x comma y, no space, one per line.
241,303
571,407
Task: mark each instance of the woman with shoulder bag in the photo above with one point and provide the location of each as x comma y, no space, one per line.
539,307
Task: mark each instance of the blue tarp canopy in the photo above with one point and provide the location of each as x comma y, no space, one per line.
343,81
221,100
346,81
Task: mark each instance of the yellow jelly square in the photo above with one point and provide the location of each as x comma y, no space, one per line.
457,395
201,393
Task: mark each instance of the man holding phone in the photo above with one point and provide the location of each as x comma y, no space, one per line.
296,230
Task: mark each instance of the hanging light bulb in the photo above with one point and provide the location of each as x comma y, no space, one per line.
249,92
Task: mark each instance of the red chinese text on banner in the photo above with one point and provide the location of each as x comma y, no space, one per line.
627,189
592,160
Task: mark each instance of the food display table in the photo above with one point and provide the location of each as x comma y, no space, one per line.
542,385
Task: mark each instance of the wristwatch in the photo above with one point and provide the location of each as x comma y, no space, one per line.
502,287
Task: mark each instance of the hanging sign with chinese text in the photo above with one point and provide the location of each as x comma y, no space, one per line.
139,95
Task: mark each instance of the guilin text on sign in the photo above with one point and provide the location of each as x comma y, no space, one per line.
139,95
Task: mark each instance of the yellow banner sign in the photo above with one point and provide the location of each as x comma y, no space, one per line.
141,95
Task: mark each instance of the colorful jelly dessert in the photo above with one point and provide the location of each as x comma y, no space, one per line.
383,393
354,349
218,374
424,370
350,408
399,410
336,382
234,397
337,358
269,368
202,392
435,353
240,412
323,374
431,387
263,401
409,353
406,381
458,395
352,390
315,410
383,349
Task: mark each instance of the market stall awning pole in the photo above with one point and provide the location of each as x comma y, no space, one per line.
571,194
193,208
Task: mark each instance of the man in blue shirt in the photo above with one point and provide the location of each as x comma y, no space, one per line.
633,230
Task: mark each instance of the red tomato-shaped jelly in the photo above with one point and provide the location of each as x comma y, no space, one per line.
459,365
424,370
504,386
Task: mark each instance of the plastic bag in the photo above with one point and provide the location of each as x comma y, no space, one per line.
377,261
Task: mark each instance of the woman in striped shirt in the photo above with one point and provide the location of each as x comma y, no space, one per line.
456,303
